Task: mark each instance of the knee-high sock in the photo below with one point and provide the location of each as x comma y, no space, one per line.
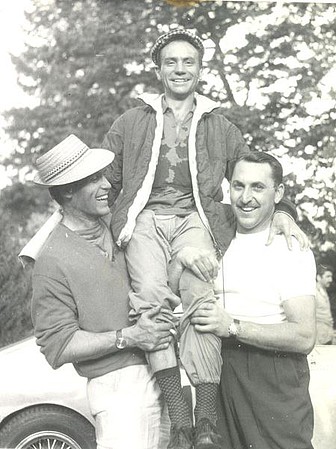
170,384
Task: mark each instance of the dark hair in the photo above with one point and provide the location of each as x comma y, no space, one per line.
260,157
321,269
58,193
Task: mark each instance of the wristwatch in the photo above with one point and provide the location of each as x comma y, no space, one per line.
120,342
234,328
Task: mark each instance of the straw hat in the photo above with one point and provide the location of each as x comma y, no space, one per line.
175,35
70,161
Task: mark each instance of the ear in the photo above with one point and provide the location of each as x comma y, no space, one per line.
279,193
200,75
68,193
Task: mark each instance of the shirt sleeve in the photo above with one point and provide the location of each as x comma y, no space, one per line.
287,206
54,315
298,274
114,142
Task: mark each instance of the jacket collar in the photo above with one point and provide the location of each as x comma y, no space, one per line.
203,104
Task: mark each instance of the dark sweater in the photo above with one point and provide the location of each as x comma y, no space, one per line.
76,287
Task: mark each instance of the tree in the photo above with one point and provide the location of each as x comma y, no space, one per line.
21,213
87,60
87,68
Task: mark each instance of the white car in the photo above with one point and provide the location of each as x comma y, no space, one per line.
45,409
41,408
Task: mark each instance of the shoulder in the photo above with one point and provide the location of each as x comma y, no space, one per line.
57,250
295,258
219,115
218,120
137,113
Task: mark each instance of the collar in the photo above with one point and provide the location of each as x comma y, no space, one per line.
203,104
256,236
165,106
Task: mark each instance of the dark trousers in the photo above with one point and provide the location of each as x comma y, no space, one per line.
264,401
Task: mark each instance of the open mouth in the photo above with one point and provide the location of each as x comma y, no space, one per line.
102,198
247,209
180,81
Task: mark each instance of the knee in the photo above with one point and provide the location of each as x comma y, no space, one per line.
192,288
153,292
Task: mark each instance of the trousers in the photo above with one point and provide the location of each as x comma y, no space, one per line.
155,243
128,410
264,401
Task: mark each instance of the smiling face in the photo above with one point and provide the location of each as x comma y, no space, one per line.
253,196
90,199
179,70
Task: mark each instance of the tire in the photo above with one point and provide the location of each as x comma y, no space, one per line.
45,427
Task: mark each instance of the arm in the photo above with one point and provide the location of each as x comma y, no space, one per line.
283,223
295,288
114,142
297,334
56,326
288,207
146,334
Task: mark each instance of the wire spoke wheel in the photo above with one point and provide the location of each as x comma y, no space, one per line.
47,427
48,440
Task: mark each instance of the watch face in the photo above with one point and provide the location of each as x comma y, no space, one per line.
121,343
233,330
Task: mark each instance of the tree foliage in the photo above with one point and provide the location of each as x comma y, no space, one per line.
268,65
87,60
22,211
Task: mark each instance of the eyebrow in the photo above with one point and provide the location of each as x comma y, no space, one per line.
254,184
174,58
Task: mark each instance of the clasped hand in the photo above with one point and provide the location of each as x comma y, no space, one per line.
151,334
211,317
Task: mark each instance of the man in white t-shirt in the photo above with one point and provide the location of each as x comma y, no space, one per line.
267,324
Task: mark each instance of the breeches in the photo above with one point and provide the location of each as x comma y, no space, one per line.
153,246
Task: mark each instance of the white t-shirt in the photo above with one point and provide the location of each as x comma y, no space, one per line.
258,278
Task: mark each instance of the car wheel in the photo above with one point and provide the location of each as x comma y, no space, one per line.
46,427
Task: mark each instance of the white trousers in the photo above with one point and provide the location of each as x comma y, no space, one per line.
128,410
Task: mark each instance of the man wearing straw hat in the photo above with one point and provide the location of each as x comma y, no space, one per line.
172,153
80,303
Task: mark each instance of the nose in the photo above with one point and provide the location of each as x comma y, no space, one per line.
106,183
246,196
179,68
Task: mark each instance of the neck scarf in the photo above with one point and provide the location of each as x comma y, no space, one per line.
100,236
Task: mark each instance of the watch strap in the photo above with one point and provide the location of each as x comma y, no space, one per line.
119,334
234,328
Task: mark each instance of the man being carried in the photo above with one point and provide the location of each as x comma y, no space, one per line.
172,154
267,324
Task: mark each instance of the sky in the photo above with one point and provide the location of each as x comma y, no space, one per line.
11,42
